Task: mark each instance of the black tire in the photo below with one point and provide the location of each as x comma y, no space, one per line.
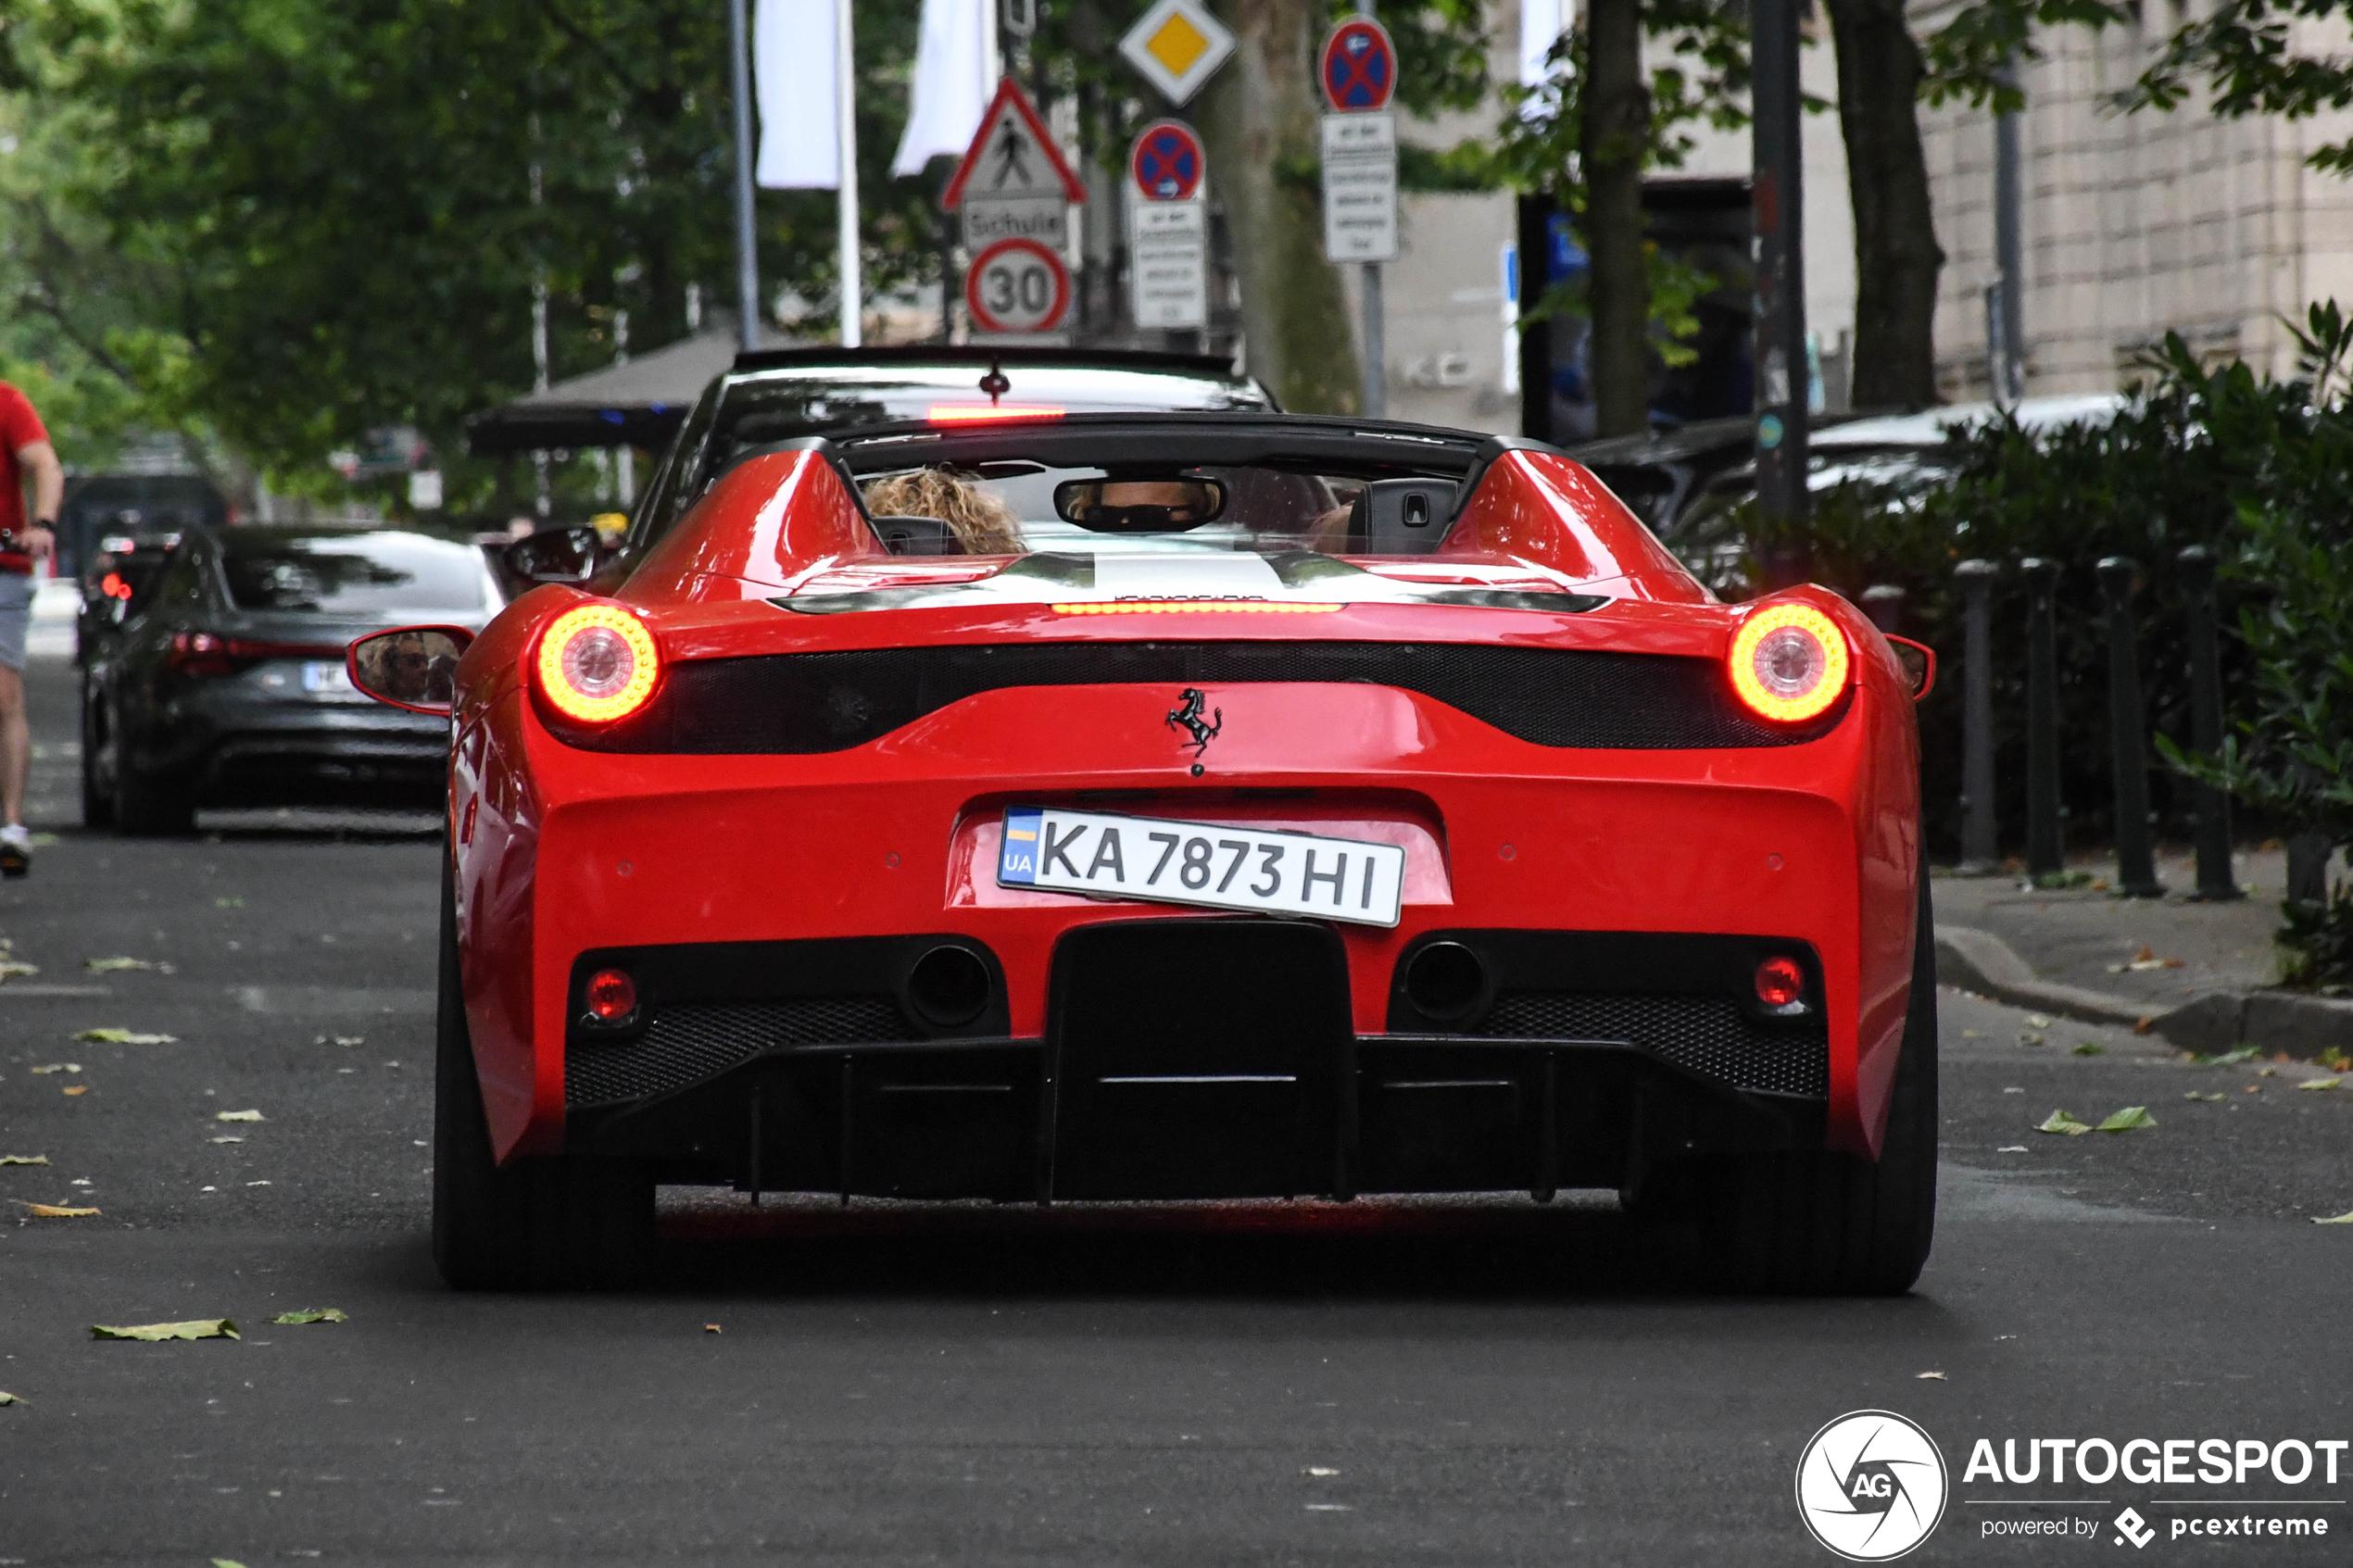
530,1224
1818,1224
97,794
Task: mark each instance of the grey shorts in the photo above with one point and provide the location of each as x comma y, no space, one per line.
16,615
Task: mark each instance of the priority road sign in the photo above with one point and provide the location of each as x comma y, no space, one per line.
1167,162
1359,70
1017,286
1177,45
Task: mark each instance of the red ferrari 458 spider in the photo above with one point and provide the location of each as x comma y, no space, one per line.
1080,807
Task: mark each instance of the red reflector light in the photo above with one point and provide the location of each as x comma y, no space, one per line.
611,995
991,413
1788,662
1781,983
598,663
114,587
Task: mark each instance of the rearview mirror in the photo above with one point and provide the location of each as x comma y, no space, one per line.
1920,664
415,668
1139,505
559,555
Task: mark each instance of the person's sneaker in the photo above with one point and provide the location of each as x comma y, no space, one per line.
16,850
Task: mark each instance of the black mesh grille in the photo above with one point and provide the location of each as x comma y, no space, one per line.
1709,1034
814,702
693,1040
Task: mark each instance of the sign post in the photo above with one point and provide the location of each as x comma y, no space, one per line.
1015,195
1358,74
1168,229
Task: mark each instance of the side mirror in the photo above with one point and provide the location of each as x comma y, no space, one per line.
415,666
1920,664
560,555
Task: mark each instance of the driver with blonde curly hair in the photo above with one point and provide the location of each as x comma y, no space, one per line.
983,524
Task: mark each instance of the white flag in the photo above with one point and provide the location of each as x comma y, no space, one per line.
1541,24
952,87
793,50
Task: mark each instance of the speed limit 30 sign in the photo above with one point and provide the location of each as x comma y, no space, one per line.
1017,286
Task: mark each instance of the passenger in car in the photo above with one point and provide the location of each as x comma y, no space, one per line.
982,523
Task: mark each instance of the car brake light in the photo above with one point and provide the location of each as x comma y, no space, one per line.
1781,985
991,413
114,587
611,995
208,653
598,663
1788,662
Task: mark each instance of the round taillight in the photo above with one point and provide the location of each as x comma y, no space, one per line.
1788,662
611,995
1781,985
598,663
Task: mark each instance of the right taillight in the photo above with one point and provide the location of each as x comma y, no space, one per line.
611,997
598,663
1780,986
1788,662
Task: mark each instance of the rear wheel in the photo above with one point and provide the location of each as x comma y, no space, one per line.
533,1224
1814,1222
98,792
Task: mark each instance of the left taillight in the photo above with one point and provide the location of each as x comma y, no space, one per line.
598,663
1788,662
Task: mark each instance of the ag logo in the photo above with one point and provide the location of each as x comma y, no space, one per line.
1870,1485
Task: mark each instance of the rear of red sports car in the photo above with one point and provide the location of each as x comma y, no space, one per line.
1181,807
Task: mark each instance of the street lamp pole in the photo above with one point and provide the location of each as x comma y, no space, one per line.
1777,198
747,255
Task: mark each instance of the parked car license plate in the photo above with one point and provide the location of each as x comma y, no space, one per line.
321,677
1213,865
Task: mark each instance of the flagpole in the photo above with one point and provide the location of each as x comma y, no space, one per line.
747,257
845,139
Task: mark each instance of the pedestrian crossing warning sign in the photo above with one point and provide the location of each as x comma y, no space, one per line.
1011,157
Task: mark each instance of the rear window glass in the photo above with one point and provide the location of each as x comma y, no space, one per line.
361,573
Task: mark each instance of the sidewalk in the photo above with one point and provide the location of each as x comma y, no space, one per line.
2073,951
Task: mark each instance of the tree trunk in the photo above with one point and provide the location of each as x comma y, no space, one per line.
1259,121
1897,257
1615,135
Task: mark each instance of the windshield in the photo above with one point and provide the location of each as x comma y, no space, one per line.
351,573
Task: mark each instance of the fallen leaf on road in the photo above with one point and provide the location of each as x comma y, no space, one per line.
228,903
2011,1148
2335,1060
226,1563
2343,1219
2036,1020
313,1314
195,1328
115,966
2027,1039
2088,1048
78,1089
2194,1095
341,1040
2244,1053
1320,1470
239,1116
227,1138
24,1159
56,1211
7,1398
2137,965
2267,1072
126,1037
711,1328
10,969
2060,1121
1924,1377
56,1067
2255,1088
1972,1035
2143,1024
2177,964
2147,955
2012,1089
2126,1120
2320,1083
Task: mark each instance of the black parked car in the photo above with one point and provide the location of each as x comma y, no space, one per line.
223,684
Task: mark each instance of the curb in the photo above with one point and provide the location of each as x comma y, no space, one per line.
2269,1021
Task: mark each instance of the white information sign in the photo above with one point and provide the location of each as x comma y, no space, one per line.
1360,187
1168,263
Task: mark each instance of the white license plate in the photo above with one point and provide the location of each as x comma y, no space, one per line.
322,678
1212,865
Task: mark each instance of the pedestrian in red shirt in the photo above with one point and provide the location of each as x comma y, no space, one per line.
25,453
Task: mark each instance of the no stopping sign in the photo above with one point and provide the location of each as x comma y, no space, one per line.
1017,286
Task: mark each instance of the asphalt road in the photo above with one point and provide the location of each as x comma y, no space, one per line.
1300,1383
